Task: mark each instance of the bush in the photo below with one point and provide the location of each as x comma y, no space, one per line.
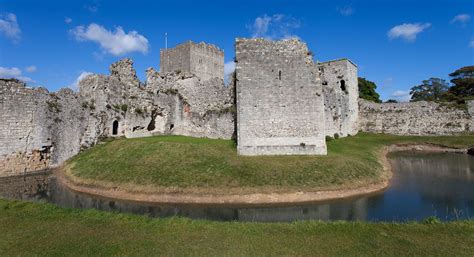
336,136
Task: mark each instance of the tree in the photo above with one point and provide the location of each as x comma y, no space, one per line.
433,89
463,80
391,101
367,90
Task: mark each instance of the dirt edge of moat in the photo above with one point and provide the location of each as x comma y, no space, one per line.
110,191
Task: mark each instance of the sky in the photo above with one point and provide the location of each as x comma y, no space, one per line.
396,44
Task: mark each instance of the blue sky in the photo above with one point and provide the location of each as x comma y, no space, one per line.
397,44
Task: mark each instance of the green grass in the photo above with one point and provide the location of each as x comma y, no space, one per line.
31,229
185,162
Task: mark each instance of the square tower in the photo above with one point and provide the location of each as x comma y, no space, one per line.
206,61
341,97
280,109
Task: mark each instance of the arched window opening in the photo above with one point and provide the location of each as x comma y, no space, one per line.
343,86
115,125
279,75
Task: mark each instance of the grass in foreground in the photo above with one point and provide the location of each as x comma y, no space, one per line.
185,162
42,229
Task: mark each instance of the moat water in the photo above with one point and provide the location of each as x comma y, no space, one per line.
423,185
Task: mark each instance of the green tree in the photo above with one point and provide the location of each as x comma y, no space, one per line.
391,101
367,90
463,84
433,89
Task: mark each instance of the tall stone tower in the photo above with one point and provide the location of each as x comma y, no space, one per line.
280,109
341,95
204,60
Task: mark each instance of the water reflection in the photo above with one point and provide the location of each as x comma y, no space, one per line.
424,184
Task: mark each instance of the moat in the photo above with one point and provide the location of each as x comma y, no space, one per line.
423,185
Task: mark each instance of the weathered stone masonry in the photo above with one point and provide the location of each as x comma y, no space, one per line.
204,60
415,118
279,99
341,94
34,124
39,129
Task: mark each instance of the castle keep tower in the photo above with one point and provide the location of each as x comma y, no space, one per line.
203,60
280,107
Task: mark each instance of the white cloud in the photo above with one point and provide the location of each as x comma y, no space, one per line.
67,20
114,42
461,18
401,95
277,26
83,75
229,68
92,8
346,10
407,31
9,27
31,68
13,73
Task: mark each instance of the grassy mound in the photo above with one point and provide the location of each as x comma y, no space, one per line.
45,230
185,162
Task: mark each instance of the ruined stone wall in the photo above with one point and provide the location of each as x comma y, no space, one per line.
203,60
279,99
414,118
38,129
189,106
341,94
22,144
176,103
470,110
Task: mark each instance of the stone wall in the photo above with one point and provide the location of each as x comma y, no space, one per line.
279,99
204,60
176,103
414,118
341,94
39,129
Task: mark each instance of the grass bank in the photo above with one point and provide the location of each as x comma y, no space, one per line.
210,165
31,229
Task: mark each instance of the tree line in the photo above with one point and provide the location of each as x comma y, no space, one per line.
458,91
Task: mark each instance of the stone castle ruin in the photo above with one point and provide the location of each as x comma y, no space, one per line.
279,101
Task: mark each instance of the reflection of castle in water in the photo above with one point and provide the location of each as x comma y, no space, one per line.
341,210
349,209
